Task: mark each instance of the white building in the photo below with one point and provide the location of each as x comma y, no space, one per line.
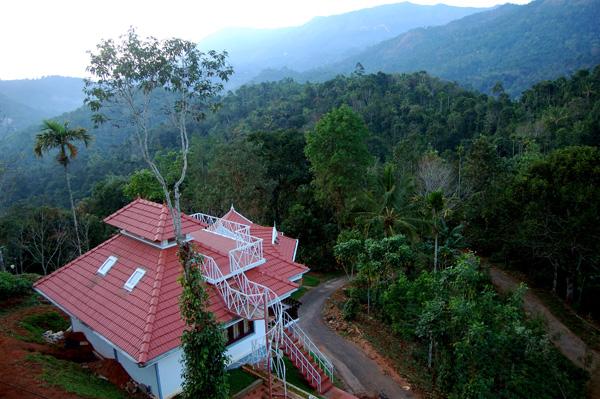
124,294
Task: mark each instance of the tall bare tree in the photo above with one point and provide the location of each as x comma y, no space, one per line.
135,79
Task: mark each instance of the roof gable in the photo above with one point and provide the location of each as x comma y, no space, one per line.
150,220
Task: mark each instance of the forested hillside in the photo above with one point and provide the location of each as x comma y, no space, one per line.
323,40
515,45
391,178
27,101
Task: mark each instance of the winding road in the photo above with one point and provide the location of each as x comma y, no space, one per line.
565,340
361,374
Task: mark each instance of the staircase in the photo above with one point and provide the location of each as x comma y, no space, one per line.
253,301
308,365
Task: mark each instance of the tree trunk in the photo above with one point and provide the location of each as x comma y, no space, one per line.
73,210
430,354
369,300
435,253
570,290
555,278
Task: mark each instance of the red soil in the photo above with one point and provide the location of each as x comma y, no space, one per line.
21,378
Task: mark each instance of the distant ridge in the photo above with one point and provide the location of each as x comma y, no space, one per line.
511,44
324,40
27,101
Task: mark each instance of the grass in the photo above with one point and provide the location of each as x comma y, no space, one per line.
74,379
14,304
310,280
238,380
299,293
37,324
294,377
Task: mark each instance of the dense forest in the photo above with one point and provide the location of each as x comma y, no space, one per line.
395,179
517,45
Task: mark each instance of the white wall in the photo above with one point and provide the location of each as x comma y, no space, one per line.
143,375
168,369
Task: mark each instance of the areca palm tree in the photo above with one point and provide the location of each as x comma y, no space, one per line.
55,135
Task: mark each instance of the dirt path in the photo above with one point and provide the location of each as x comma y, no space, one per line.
362,375
565,340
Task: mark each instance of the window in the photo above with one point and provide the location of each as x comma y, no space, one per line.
134,279
108,263
239,330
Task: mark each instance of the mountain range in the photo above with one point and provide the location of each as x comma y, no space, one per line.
324,40
514,45
27,101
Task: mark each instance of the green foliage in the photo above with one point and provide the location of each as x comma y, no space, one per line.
107,196
483,346
55,135
12,285
511,44
310,281
204,358
339,157
385,209
75,379
236,175
350,309
556,200
376,261
143,184
39,323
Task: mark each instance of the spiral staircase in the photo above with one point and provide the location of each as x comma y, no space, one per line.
252,301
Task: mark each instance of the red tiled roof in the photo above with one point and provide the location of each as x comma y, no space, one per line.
237,217
150,220
146,322
285,246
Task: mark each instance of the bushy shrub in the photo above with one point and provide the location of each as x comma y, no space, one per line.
12,285
350,309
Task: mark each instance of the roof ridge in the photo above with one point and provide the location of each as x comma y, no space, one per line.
123,209
232,210
160,227
68,265
144,349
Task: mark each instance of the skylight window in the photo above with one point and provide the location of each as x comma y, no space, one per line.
108,263
134,279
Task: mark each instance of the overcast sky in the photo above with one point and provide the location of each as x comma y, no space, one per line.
51,37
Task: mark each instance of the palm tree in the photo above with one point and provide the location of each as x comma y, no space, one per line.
386,206
59,136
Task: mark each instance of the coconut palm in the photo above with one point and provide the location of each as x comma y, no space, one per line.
55,135
386,207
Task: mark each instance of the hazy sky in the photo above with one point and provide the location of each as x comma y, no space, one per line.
51,37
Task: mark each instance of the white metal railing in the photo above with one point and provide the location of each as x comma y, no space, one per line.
246,255
252,301
302,362
248,249
304,340
224,227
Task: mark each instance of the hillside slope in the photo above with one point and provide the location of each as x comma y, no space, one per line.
324,40
27,101
515,45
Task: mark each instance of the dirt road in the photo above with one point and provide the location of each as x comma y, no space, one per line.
565,340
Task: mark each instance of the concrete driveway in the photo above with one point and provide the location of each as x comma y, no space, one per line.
361,374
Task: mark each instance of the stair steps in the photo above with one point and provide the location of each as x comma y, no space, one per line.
326,383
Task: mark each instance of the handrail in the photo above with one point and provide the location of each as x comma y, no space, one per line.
305,364
303,338
252,301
